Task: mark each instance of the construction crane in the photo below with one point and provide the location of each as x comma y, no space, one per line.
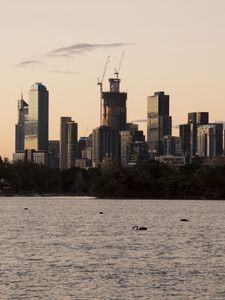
100,83
117,70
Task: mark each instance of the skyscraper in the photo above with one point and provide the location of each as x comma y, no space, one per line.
36,127
128,139
105,145
188,133
53,149
159,122
20,126
114,106
194,120
71,144
68,143
210,140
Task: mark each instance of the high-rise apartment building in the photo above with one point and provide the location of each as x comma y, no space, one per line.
68,143
159,122
114,106
20,126
36,126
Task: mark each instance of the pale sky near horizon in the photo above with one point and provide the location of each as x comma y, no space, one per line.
177,46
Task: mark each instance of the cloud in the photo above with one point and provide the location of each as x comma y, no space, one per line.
68,52
78,49
28,63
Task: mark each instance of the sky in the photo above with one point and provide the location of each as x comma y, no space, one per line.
176,46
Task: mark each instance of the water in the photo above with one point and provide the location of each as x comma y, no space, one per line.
62,248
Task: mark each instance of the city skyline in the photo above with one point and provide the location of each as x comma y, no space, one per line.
182,55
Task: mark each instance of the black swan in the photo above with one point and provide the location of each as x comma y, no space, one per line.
139,228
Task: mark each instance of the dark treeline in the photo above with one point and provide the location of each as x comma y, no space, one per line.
150,180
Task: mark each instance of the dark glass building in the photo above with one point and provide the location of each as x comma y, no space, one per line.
105,145
53,149
68,143
188,133
159,122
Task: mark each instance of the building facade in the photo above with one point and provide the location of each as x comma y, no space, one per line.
20,126
105,145
210,140
188,134
36,126
171,145
159,122
114,106
53,149
68,143
128,138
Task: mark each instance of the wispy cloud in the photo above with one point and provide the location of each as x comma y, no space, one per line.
78,49
67,52
28,63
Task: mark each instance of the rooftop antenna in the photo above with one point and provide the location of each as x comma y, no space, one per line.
100,83
117,70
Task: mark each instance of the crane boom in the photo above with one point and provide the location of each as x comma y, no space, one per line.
100,83
117,70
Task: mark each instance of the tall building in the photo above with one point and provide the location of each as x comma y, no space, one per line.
36,127
198,118
194,120
105,145
71,144
81,146
171,145
53,149
188,133
159,122
68,143
210,140
185,139
20,126
128,138
138,152
114,106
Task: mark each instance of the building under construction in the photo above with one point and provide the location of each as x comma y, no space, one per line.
114,112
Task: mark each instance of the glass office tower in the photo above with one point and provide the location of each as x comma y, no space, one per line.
36,127
159,122
68,143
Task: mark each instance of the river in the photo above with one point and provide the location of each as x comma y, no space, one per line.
63,248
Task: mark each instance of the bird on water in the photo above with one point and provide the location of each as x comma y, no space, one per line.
139,228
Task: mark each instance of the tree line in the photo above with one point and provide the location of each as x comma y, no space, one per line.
147,180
